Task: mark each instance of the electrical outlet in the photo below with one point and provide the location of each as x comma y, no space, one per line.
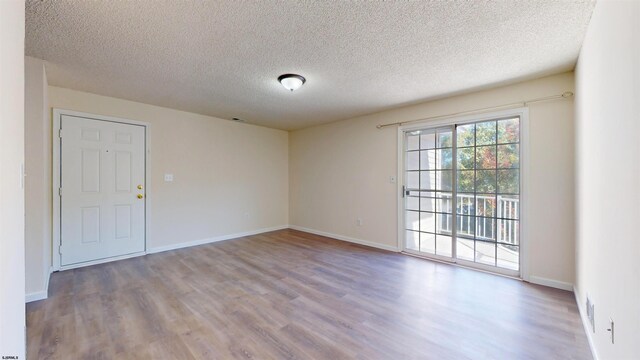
591,314
359,222
611,330
587,307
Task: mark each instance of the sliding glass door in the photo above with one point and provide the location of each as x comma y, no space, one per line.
428,192
473,168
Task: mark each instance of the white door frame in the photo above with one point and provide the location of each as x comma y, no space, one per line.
57,213
523,113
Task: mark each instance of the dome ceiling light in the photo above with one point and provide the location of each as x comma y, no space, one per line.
291,81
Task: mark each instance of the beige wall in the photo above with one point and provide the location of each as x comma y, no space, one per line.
38,205
12,309
608,175
339,172
229,178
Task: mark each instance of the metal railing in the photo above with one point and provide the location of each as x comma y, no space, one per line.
484,224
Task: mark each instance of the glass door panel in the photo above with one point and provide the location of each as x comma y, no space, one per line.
488,193
428,192
474,169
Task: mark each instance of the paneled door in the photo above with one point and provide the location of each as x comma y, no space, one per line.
461,193
102,190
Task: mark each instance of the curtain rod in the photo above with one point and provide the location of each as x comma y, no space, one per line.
564,95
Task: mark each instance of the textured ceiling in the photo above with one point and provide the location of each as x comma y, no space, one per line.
222,58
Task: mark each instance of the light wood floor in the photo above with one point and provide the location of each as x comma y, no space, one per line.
292,295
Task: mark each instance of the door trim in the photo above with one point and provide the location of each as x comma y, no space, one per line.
523,113
56,168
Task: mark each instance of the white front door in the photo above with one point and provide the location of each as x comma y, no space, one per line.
102,189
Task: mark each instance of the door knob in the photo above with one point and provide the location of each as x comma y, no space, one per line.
139,187
140,196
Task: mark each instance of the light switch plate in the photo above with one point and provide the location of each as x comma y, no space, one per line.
168,177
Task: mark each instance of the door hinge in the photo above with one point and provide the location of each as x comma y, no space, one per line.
60,133
60,191
60,249
404,192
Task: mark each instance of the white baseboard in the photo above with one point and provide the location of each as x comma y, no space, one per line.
585,324
40,295
551,283
213,239
47,279
35,296
345,238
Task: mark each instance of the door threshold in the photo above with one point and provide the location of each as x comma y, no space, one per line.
453,263
101,261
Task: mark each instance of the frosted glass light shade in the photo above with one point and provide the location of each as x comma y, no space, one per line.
291,81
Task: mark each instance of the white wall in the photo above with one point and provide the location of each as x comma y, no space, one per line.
229,178
38,204
12,310
608,176
340,172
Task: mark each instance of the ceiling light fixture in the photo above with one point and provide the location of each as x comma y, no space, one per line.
291,81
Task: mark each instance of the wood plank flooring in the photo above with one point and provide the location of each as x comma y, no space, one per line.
293,295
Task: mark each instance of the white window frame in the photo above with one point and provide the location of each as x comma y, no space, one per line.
523,113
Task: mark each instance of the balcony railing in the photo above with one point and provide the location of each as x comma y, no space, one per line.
484,227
